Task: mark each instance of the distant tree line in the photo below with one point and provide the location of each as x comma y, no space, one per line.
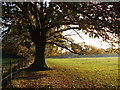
71,55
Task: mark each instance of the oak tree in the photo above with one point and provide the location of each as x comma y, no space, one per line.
44,23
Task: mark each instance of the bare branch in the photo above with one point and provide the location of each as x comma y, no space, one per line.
65,47
78,34
19,5
62,30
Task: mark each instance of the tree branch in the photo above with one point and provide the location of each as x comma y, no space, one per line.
62,30
78,34
96,18
63,47
22,40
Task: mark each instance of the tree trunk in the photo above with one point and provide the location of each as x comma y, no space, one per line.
40,42
39,62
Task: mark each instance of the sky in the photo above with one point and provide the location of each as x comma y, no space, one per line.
89,41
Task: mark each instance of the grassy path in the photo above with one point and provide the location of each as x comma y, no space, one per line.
72,73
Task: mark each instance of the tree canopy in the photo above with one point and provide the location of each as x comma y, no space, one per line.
44,23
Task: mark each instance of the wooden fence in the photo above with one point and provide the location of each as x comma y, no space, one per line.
7,77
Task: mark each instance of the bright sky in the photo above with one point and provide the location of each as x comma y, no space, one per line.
89,41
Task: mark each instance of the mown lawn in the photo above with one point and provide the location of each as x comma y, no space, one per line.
72,73
6,61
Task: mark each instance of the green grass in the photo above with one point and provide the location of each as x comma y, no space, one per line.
98,72
6,61
73,73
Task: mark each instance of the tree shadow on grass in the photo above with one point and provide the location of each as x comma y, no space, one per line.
47,87
28,75
37,82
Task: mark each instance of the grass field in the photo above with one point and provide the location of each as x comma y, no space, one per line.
6,61
72,73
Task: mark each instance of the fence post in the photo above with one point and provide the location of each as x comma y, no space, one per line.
10,72
2,71
18,66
